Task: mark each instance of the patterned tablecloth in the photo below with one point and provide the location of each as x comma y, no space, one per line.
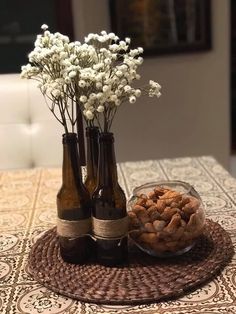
27,209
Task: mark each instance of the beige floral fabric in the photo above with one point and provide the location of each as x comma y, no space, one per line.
28,208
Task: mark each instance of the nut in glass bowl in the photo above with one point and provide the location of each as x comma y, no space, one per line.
165,218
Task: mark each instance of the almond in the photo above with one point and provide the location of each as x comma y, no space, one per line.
159,225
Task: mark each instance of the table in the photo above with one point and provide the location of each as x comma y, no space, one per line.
28,208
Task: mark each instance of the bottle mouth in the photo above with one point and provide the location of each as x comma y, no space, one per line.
106,136
69,137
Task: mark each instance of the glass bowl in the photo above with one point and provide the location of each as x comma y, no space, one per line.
165,218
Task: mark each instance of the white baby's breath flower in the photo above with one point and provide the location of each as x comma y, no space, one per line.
112,36
100,108
137,93
92,96
47,33
87,105
98,85
99,95
82,83
105,88
107,61
140,49
96,66
118,93
66,63
71,45
55,58
117,102
56,93
114,56
132,99
89,115
154,89
72,74
127,88
99,77
83,98
113,98
140,60
127,40
67,80
44,27
151,82
114,47
119,73
123,45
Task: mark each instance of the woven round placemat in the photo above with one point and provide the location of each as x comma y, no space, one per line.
146,279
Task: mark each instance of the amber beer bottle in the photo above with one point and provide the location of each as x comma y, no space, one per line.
73,206
109,215
92,134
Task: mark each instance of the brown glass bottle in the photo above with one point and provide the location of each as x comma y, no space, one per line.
109,215
92,134
73,206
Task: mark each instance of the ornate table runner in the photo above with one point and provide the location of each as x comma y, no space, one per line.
28,208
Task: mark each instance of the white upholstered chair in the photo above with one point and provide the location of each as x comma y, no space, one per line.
30,136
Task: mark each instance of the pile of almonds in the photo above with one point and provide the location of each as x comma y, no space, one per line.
166,220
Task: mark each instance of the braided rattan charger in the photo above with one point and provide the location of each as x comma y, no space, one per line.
146,279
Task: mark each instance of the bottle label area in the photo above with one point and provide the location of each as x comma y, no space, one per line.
73,228
110,229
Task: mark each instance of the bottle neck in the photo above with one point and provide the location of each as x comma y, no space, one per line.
92,134
107,170
71,170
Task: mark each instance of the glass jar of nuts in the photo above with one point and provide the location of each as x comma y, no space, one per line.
165,218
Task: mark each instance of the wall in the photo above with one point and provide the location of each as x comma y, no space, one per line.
192,116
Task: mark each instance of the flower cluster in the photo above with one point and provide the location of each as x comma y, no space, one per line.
97,75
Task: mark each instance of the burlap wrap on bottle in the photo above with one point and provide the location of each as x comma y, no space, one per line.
110,229
73,228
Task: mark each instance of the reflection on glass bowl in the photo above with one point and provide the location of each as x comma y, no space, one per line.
166,217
